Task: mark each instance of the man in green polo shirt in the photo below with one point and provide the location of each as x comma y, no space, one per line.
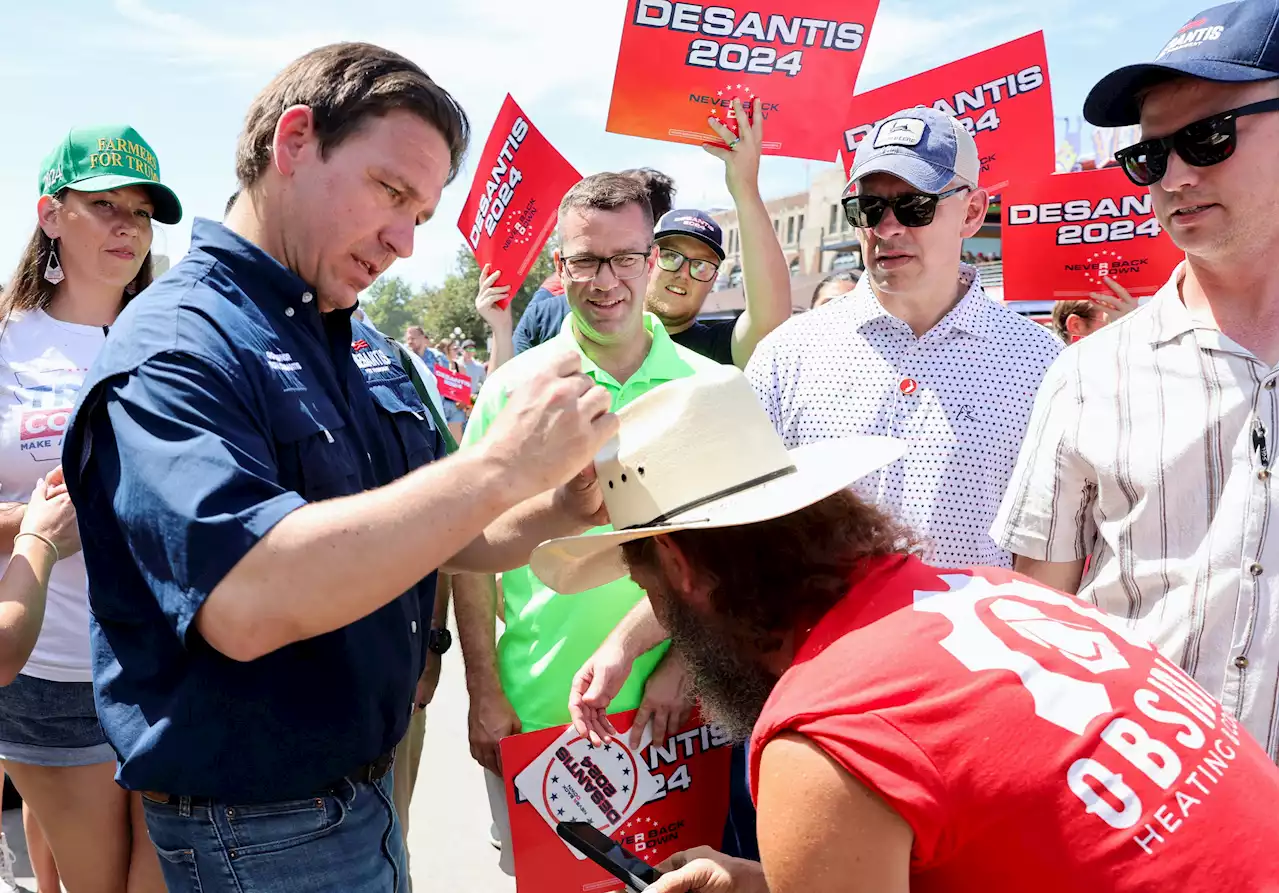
605,259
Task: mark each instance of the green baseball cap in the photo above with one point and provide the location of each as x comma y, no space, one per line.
95,159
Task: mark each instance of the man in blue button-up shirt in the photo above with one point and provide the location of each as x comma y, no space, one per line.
251,473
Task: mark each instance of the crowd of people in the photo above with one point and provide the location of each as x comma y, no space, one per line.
983,610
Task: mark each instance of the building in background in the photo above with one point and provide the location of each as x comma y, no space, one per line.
817,240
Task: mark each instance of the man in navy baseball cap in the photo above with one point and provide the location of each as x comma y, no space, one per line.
1199,363
1232,43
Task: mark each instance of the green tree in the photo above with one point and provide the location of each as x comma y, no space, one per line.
453,304
392,304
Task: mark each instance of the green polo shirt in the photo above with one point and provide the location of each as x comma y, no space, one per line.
549,636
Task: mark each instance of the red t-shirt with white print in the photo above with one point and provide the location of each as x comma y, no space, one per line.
1031,742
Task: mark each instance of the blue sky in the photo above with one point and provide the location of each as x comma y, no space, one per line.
183,74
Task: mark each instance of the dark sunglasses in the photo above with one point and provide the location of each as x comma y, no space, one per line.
1202,143
912,209
702,270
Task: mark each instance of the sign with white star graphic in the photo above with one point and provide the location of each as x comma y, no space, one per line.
1063,234
655,800
800,58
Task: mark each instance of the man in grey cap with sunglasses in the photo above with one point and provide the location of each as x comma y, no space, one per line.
916,350
1150,451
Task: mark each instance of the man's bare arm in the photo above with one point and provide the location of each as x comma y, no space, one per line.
475,608
821,830
1061,575
766,281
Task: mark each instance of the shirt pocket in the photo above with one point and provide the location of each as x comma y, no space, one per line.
403,415
314,453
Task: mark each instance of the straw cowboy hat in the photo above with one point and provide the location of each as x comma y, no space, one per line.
700,453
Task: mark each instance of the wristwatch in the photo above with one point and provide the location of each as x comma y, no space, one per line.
439,640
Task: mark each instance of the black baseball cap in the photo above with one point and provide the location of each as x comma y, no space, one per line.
693,223
1234,42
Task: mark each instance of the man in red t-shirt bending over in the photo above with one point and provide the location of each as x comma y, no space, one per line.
911,727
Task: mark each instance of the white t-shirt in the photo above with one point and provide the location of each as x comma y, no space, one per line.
43,362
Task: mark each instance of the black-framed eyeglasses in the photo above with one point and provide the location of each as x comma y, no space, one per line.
703,270
585,267
1202,143
911,209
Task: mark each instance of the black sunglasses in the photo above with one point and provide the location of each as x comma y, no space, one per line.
911,209
1202,143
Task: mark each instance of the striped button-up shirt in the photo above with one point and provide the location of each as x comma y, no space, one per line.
960,396
1150,451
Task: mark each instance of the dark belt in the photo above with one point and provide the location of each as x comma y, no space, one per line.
366,774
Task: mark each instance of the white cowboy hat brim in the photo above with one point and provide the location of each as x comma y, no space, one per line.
577,563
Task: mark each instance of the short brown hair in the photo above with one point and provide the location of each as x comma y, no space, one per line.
607,192
772,576
660,188
1064,310
345,85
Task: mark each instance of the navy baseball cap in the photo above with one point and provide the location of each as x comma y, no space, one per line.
1233,42
923,146
693,223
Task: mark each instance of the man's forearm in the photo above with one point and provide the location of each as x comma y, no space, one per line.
475,603
303,578
766,280
507,542
503,347
1061,575
639,631
440,607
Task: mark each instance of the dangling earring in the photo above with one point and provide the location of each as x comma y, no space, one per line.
53,270
131,289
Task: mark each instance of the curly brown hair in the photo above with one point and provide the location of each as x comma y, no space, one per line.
773,576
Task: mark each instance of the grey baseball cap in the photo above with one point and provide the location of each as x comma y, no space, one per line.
925,147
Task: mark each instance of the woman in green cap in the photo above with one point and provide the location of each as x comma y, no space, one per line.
90,254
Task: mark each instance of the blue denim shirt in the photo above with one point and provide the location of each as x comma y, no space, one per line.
222,401
541,320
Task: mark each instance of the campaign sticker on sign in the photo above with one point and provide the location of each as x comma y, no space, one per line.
1063,233
681,63
1001,95
655,801
511,209
453,386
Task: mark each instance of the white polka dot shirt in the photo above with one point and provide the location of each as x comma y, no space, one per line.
960,396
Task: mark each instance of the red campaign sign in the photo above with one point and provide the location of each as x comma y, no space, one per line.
1062,233
453,386
655,801
1002,97
681,63
511,209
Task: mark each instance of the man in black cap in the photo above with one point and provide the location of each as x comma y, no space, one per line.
691,249
1150,447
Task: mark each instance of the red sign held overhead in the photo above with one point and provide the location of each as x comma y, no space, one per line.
1002,97
681,63
1063,233
655,801
511,209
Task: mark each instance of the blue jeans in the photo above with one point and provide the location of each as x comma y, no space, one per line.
345,840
